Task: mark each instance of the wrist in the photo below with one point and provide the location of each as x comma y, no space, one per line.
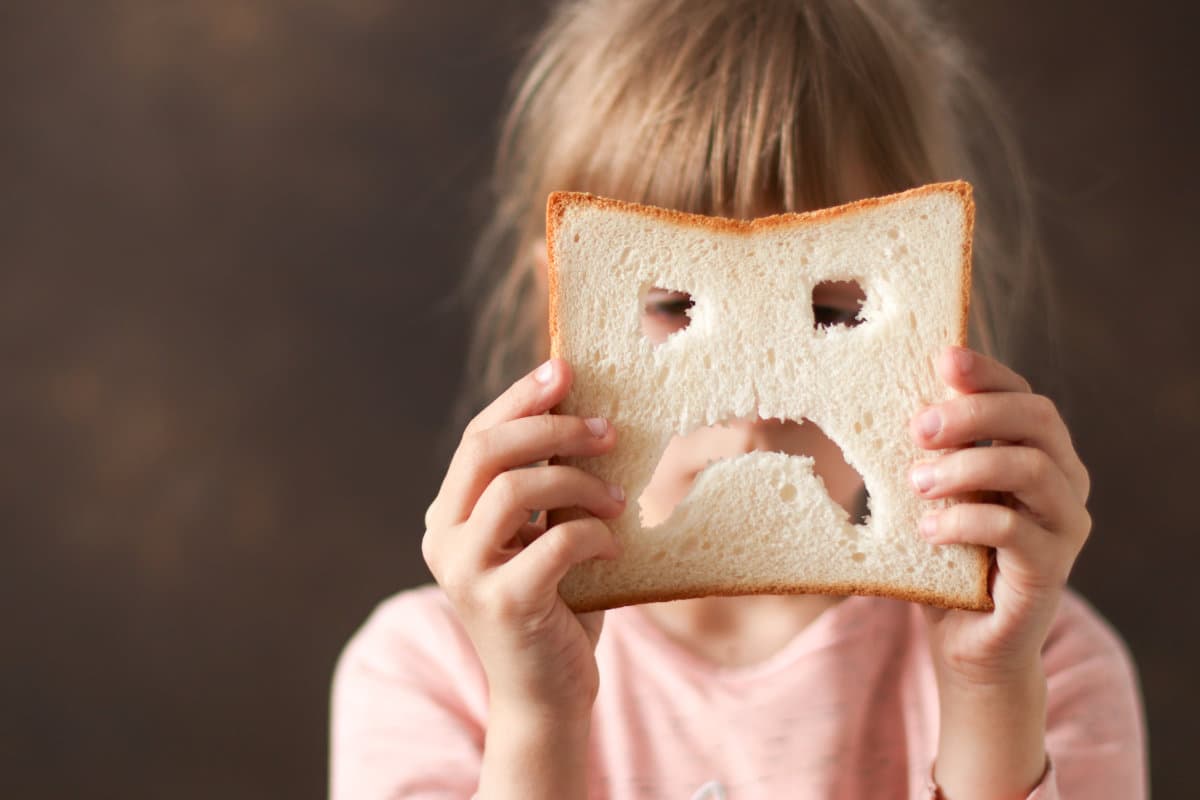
534,753
967,674
534,716
535,722
991,740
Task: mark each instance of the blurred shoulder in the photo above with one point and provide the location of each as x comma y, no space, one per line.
413,629
1095,716
1081,634
408,703
419,608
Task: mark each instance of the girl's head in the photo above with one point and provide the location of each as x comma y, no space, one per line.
736,108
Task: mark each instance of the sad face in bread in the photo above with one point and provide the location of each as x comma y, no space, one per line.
665,313
731,355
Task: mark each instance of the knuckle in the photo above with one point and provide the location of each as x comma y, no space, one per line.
457,585
1085,481
975,408
1007,524
1085,526
972,412
1044,409
552,426
499,600
561,546
505,487
950,519
958,469
475,449
468,591
1035,465
958,518
474,425
427,551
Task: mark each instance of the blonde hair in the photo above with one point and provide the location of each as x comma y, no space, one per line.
740,108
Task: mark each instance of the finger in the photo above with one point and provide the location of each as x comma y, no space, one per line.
486,453
538,391
535,393
544,563
1023,551
522,538
966,370
1034,481
1012,417
437,541
508,500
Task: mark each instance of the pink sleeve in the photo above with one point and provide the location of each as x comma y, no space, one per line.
1095,721
407,706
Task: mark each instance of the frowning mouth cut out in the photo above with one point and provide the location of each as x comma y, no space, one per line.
688,456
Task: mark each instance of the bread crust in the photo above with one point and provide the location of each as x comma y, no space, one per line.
617,600
557,205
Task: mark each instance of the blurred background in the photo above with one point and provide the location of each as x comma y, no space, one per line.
227,232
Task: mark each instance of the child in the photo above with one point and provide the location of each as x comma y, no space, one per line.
487,684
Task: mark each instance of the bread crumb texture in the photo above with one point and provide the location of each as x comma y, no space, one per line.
763,522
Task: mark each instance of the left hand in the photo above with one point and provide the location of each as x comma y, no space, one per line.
1038,526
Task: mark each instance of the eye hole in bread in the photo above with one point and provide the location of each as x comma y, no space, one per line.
837,303
665,312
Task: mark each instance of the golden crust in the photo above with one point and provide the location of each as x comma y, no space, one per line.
558,202
617,600
557,205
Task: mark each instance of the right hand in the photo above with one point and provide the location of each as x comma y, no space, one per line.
500,570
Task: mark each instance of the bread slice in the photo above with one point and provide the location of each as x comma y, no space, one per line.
762,522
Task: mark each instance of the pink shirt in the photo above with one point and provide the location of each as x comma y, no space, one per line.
848,709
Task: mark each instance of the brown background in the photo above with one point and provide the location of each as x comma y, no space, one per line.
226,229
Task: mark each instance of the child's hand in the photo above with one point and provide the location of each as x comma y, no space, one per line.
500,570
1037,527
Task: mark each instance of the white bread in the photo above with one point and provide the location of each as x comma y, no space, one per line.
763,522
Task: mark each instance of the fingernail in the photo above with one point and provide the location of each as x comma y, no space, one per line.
597,425
544,373
928,525
963,359
929,423
922,477
617,492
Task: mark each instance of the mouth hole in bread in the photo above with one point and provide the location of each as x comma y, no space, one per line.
686,457
837,304
664,313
